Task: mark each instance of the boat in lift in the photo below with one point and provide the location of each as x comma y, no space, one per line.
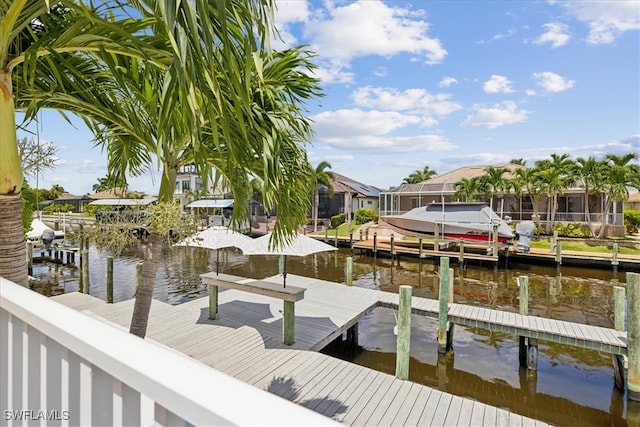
468,221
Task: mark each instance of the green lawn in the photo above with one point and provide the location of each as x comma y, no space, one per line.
583,247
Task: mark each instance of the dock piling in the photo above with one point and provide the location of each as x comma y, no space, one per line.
444,340
349,271
85,271
633,336
109,280
404,332
528,347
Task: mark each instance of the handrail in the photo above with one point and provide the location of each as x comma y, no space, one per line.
182,386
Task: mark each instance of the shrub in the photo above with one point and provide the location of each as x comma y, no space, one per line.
571,229
632,221
53,208
365,215
336,220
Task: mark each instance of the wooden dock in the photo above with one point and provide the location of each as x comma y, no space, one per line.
246,342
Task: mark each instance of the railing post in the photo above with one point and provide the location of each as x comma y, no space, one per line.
404,333
633,336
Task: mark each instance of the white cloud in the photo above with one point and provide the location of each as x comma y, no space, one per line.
355,123
417,100
557,34
362,28
607,20
447,81
289,12
392,144
552,82
505,113
497,84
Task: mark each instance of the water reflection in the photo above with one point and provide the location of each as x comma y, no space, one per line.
571,387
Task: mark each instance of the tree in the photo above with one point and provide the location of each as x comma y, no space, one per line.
555,176
420,175
41,43
527,178
36,157
109,182
619,173
589,170
320,176
469,188
494,181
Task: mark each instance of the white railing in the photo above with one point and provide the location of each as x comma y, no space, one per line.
59,366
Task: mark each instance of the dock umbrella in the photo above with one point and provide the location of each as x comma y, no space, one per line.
299,245
216,237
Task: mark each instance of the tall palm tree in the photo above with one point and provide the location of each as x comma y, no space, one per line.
38,42
469,188
555,175
589,171
528,179
320,176
495,181
420,175
619,173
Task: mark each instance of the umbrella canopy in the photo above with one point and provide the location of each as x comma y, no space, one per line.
300,245
216,237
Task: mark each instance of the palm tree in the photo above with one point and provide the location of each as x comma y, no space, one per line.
36,42
618,175
589,170
555,176
469,188
320,176
419,176
494,181
527,179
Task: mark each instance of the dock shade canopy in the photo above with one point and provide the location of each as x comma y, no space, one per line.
211,203
299,245
217,237
124,202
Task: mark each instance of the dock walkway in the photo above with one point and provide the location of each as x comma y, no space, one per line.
245,342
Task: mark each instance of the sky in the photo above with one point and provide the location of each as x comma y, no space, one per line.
443,84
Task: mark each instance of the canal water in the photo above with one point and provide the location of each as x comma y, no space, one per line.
571,386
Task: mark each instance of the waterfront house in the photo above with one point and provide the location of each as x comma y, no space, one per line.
510,206
349,195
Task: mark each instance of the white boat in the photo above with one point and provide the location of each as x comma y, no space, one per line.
42,232
468,221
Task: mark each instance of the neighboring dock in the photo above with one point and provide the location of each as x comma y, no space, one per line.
246,342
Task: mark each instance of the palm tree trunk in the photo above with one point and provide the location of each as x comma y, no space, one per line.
13,250
144,294
605,217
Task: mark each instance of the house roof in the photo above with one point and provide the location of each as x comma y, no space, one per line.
69,196
635,197
113,193
211,203
343,184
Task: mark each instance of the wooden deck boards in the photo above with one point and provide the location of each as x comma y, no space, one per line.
245,342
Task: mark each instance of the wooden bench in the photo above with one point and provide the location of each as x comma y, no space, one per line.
289,295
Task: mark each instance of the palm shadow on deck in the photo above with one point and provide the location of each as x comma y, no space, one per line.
287,389
267,320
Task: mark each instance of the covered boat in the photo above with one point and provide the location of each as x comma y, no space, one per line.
468,221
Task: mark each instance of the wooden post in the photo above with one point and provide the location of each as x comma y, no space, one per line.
528,345
495,240
30,258
451,285
392,244
109,280
281,264
349,270
461,255
288,323
213,302
436,237
404,333
443,307
375,244
633,336
336,238
326,235
614,258
554,242
361,234
558,253
85,271
420,255
619,295
351,241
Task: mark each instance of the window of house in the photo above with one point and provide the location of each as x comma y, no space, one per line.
415,202
186,186
369,202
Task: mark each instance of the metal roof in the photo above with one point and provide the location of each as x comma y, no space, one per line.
211,203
